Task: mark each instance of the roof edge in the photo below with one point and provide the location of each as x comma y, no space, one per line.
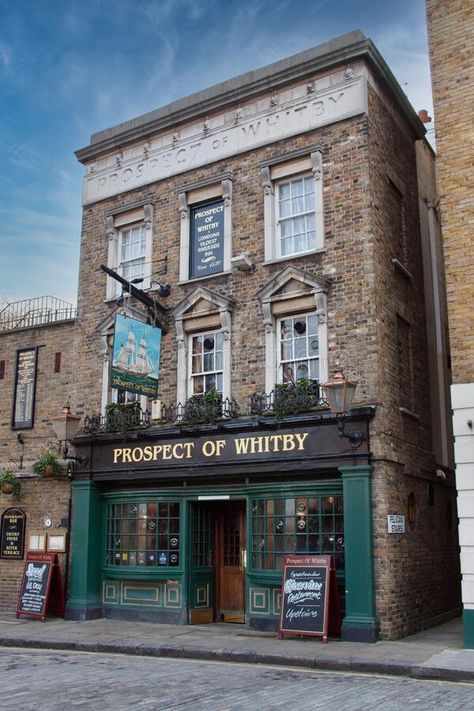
344,48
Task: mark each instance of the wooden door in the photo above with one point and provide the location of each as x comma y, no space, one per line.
230,562
201,569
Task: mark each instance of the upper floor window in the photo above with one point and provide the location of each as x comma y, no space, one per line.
207,362
203,330
295,216
293,205
132,252
298,348
130,233
294,315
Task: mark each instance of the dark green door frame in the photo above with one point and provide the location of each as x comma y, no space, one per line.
360,622
84,601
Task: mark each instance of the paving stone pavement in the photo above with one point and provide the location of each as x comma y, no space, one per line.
34,680
433,654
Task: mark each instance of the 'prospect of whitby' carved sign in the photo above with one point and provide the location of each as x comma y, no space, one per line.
294,111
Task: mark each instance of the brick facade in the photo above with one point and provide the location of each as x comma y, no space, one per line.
19,448
375,315
39,499
52,388
364,159
450,28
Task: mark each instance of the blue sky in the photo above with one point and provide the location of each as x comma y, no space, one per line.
69,68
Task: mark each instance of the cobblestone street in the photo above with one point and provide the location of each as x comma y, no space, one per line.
56,680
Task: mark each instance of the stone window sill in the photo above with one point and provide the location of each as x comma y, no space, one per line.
403,270
409,413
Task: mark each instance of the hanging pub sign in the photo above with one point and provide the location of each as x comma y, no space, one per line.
12,541
136,356
25,385
207,239
307,583
41,587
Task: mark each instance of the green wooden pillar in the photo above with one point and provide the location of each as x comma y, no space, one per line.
360,623
468,628
85,601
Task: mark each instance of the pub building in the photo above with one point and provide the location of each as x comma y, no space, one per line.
241,247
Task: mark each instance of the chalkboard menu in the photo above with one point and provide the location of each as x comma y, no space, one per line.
305,595
207,239
25,382
12,540
34,592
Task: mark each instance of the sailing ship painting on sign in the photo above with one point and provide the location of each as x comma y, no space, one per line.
136,356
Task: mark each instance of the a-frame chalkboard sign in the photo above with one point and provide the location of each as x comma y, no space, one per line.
309,583
41,587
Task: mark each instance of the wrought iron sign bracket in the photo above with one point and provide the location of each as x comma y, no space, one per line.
156,311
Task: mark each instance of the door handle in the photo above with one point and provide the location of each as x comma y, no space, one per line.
243,558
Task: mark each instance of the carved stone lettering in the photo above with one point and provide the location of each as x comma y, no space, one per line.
229,134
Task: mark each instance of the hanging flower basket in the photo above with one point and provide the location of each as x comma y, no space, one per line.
9,483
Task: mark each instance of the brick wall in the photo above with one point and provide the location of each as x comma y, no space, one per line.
450,31
347,226
450,28
52,389
38,498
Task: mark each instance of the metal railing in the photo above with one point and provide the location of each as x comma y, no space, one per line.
285,399
288,399
40,311
198,410
118,418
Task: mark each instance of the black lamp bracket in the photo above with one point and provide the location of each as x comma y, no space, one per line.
81,460
355,437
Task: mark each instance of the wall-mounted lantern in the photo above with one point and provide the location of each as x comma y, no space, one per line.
65,427
339,393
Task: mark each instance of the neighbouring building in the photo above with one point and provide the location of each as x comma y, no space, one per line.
450,30
271,226
36,380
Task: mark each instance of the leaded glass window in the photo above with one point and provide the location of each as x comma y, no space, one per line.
285,526
207,362
143,534
298,348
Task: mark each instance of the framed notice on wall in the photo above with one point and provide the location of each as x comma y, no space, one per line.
25,386
207,239
56,542
37,542
12,539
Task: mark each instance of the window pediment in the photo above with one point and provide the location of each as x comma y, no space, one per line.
293,290
198,304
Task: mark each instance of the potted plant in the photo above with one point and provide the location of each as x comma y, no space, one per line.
47,465
204,407
122,417
294,397
9,483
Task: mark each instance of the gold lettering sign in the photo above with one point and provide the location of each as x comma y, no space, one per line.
176,452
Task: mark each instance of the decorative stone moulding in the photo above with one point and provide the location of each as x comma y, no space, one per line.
242,262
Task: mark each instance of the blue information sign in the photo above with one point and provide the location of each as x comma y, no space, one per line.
207,239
